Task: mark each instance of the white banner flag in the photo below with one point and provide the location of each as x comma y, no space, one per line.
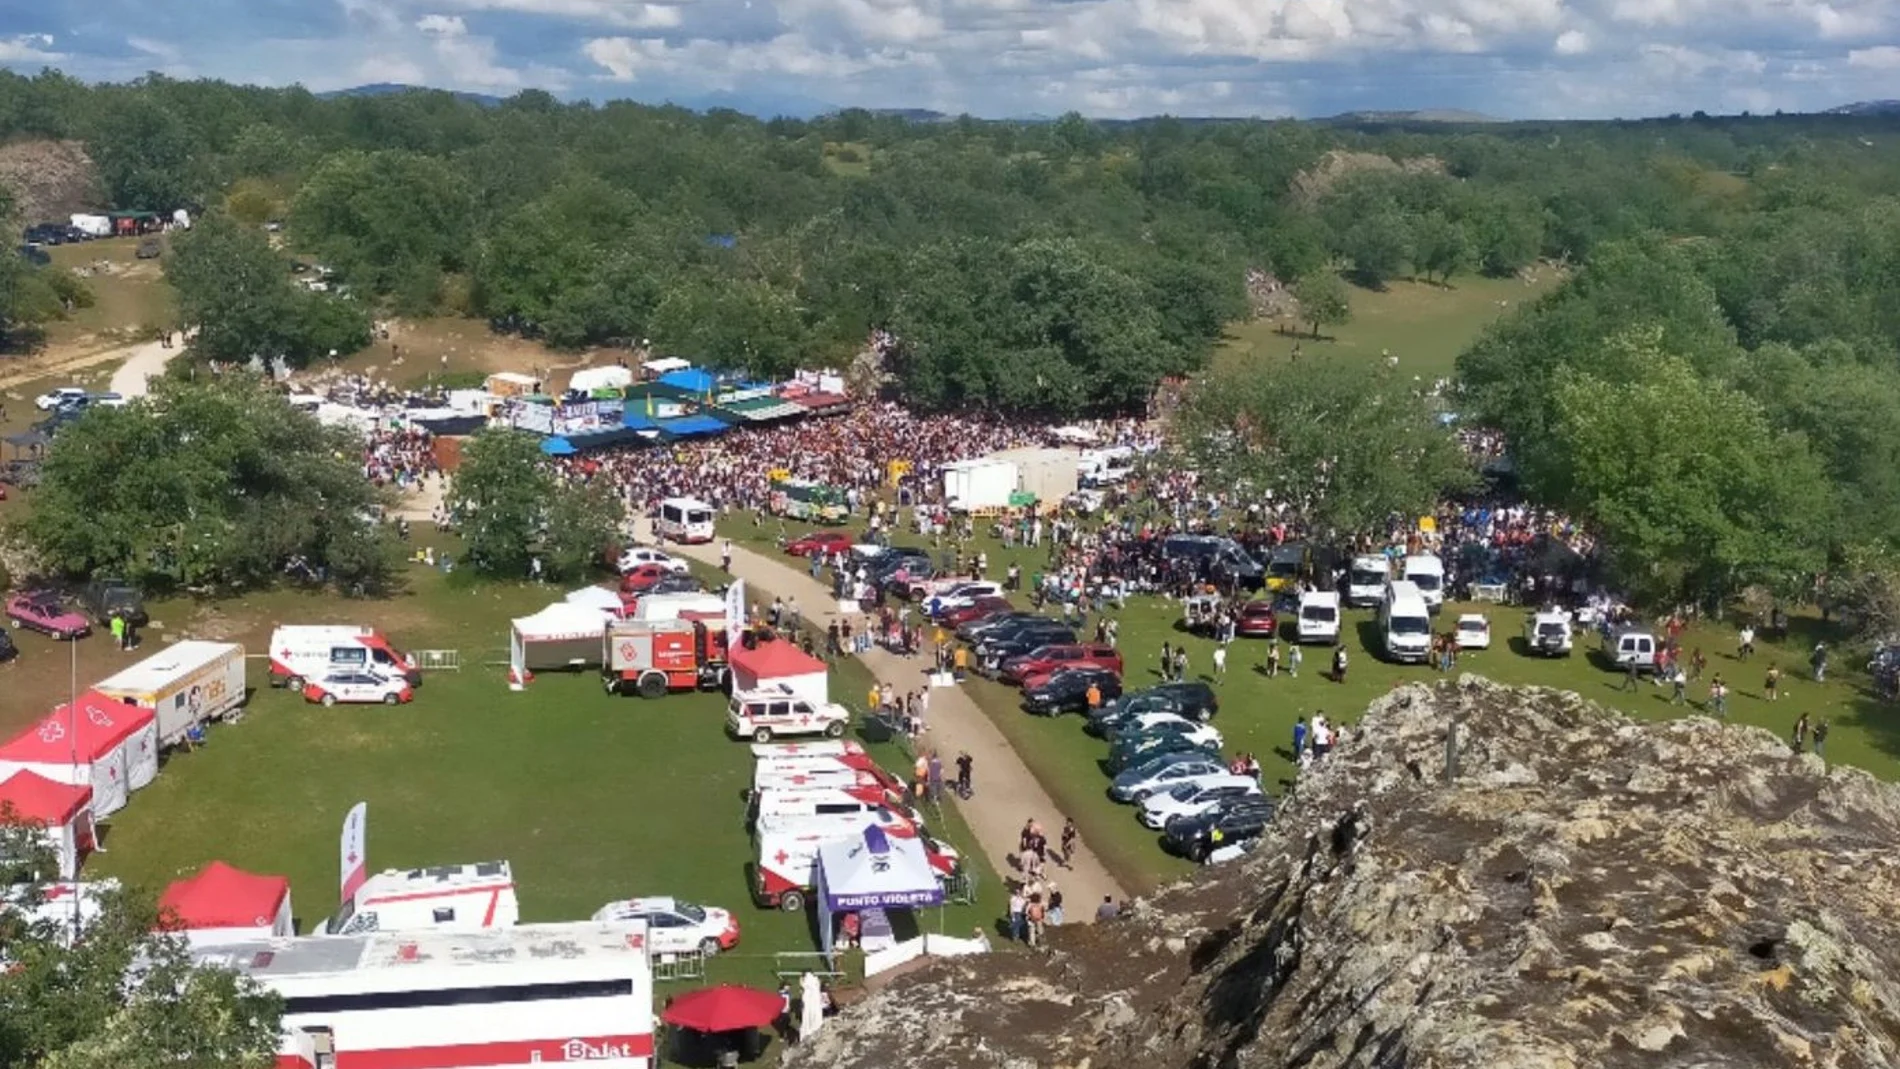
354,852
735,610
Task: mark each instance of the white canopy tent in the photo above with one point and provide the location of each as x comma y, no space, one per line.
665,365
872,871
595,597
611,377
563,635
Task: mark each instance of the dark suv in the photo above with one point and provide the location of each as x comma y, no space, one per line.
1197,836
106,596
1192,699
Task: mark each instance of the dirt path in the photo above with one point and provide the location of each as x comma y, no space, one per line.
142,363
1006,793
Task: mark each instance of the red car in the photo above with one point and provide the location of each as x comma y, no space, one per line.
1049,659
641,577
41,611
974,611
1256,620
826,542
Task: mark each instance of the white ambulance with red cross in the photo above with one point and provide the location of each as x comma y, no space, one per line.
765,714
301,654
455,898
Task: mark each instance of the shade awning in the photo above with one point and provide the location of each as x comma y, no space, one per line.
223,896
726,1008
873,870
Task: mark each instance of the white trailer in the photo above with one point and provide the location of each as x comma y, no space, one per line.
979,484
185,684
533,995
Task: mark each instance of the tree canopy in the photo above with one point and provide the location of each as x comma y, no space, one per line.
240,298
513,510
211,481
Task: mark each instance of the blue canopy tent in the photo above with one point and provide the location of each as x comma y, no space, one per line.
692,380
558,447
693,426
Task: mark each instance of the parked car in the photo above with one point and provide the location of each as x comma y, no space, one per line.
109,400
826,542
1068,691
638,579
992,652
1222,826
1132,749
360,688
638,555
1162,772
1194,796
1473,632
674,926
1046,659
959,596
106,597
41,610
1549,633
979,609
1190,698
1000,624
1155,723
1256,620
53,399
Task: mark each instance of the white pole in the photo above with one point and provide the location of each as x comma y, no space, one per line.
72,733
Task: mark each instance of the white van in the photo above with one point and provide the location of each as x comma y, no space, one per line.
1105,467
763,715
1405,622
1548,633
686,519
1428,574
1366,580
1319,616
456,898
300,653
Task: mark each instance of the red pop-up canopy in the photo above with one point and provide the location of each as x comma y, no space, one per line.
95,741
226,904
63,809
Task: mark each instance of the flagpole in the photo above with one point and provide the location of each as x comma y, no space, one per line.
72,741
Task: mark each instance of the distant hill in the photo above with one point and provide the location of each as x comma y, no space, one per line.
384,89
1432,115
1867,107
912,114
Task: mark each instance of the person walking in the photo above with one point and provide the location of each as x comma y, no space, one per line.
1630,676
725,557
1294,655
1771,684
1035,914
118,631
1745,642
1820,739
964,764
1718,696
1018,922
1299,737
1818,661
1273,658
1220,664
1167,661
1070,833
1180,663
1801,734
1339,663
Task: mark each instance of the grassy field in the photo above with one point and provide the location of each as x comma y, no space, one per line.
1425,325
129,294
1257,713
591,797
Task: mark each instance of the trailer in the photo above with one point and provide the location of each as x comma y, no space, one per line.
184,685
979,484
532,995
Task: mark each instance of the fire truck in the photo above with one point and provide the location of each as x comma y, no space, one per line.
652,657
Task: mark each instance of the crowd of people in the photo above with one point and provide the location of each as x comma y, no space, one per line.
399,458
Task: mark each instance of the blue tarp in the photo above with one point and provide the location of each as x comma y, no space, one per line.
557,447
692,426
692,380
637,421
723,241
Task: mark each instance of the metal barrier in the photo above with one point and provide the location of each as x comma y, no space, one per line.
690,965
438,660
790,964
960,888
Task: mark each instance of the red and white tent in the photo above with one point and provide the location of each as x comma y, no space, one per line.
223,904
776,663
63,809
98,741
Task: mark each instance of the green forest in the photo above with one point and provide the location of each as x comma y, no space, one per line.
1716,384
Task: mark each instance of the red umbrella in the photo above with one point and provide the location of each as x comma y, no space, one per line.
726,1008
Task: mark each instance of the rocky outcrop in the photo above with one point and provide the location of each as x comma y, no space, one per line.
1583,892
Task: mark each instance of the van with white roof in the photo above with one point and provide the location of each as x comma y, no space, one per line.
454,898
1405,623
301,653
1548,633
686,519
763,715
1427,573
1319,616
1366,580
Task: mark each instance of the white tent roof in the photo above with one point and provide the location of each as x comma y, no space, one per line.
611,377
872,870
562,622
595,597
665,364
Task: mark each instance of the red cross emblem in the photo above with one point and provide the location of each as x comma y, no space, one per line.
781,857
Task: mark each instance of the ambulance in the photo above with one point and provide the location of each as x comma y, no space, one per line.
778,776
785,767
763,715
817,748
787,869
533,995
301,653
778,803
452,898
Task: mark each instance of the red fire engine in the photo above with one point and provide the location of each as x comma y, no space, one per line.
652,657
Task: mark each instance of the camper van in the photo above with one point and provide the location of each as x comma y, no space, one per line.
686,519
1319,616
454,898
1405,623
1366,580
299,654
1427,573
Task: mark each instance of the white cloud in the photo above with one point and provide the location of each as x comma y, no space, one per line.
443,25
29,48
1571,43
621,14
1879,58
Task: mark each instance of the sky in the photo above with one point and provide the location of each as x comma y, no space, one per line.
1013,58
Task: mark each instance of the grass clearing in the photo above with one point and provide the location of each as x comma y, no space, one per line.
1424,324
591,797
1257,714
848,158
129,295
